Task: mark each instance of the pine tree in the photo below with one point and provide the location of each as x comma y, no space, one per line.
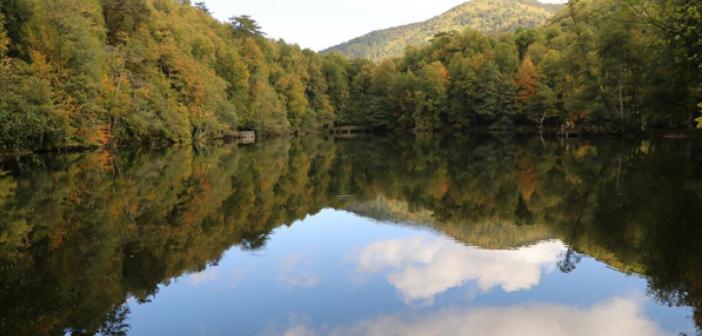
245,26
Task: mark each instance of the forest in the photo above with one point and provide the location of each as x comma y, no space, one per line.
78,74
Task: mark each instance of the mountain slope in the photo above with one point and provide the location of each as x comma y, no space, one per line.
488,16
493,234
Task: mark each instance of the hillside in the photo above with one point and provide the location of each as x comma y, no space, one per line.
83,74
487,16
489,234
78,74
494,234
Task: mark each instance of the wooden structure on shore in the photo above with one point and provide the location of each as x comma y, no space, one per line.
349,131
245,137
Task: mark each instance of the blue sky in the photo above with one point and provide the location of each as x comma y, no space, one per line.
318,24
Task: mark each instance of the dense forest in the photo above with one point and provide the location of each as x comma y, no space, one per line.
78,74
487,16
81,73
600,66
84,232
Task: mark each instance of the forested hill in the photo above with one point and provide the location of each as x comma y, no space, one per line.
106,73
487,16
91,73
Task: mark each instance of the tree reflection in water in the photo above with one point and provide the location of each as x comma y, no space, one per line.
82,233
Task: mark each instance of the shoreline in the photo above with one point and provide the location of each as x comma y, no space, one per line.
551,134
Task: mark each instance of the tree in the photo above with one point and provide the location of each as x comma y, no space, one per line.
296,102
507,57
677,21
405,99
569,262
524,38
65,40
245,26
431,97
319,92
526,80
681,22
202,6
231,67
474,93
269,114
361,92
4,39
335,70
537,100
16,14
123,17
386,90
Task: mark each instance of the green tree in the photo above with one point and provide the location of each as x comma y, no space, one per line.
319,92
123,17
361,91
335,71
387,92
202,6
431,97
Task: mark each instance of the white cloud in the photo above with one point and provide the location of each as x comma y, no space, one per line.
615,317
294,275
300,330
420,268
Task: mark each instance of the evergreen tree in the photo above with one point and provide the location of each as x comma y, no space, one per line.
245,26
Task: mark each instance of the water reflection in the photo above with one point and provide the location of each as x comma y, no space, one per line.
421,268
81,234
617,316
294,274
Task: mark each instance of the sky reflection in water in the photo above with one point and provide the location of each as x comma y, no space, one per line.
336,273
431,236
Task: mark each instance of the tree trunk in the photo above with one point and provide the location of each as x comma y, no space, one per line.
541,122
621,100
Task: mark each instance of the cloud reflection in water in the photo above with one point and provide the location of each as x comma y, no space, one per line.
616,316
421,268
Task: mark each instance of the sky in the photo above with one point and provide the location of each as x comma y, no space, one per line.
319,24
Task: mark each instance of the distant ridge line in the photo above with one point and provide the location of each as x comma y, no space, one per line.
487,16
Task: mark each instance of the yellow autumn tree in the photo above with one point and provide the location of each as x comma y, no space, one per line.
4,40
526,80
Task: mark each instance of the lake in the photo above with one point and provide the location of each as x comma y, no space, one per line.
484,235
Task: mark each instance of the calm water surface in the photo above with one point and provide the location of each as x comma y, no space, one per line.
377,236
